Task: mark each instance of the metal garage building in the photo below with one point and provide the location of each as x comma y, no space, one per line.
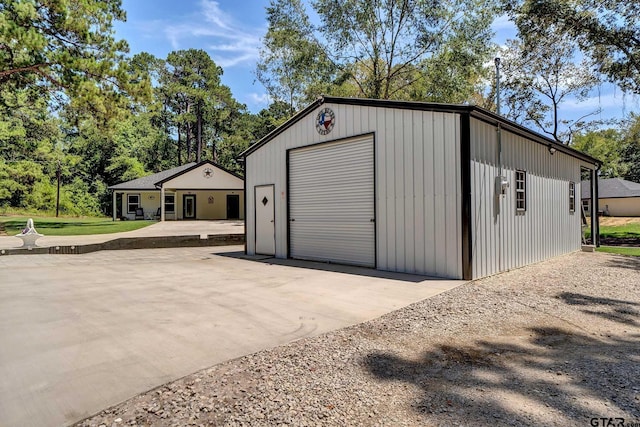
444,190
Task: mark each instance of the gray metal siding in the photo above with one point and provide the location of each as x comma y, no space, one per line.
504,239
417,168
331,202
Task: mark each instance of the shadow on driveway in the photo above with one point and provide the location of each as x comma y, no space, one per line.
331,267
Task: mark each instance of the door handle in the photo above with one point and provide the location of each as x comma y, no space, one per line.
271,221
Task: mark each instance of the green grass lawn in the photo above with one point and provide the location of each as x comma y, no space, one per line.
622,250
52,226
619,231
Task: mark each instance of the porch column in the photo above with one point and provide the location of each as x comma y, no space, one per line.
114,207
162,203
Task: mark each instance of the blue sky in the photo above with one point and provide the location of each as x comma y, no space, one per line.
231,32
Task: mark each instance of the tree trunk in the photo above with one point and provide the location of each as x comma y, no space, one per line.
179,146
188,130
199,133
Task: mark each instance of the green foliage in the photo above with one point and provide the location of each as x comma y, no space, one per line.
604,145
538,74
77,199
630,150
64,45
199,105
17,179
293,63
385,49
607,32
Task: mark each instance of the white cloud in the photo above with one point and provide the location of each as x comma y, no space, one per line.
503,22
260,98
215,30
612,104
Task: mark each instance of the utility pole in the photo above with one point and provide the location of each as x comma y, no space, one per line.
58,196
497,61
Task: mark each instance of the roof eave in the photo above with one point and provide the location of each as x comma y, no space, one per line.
417,105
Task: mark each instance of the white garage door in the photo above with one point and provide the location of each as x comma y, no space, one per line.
331,202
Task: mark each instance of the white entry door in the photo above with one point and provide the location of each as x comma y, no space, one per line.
265,220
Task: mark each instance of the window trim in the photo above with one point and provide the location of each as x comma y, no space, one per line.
172,203
572,196
521,191
137,204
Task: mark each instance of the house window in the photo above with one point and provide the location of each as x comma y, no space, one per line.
521,191
133,202
572,196
169,203
585,206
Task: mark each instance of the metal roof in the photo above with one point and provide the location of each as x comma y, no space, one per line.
612,188
473,110
149,182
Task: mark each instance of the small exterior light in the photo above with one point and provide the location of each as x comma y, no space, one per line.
552,150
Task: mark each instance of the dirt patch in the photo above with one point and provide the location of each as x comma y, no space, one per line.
616,221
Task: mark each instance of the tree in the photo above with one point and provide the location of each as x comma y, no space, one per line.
539,75
605,145
630,150
292,62
28,139
385,47
608,32
199,102
63,46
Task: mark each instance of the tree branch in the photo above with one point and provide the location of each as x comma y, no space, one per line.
34,68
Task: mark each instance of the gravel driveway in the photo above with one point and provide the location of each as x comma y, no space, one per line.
556,343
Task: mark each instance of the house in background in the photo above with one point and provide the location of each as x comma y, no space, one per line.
193,191
616,197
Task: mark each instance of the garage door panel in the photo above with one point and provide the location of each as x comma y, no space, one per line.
331,205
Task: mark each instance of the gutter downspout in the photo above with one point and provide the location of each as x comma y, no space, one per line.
595,220
498,189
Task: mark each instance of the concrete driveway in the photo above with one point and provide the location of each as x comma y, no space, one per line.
79,333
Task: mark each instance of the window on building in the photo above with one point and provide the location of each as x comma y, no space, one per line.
586,206
169,203
133,202
572,196
521,191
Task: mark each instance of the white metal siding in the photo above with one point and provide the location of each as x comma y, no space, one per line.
331,202
418,192
502,238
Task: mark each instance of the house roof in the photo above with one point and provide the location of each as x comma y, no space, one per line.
611,188
472,110
151,182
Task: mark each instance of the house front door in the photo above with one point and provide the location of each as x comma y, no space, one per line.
233,206
189,206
